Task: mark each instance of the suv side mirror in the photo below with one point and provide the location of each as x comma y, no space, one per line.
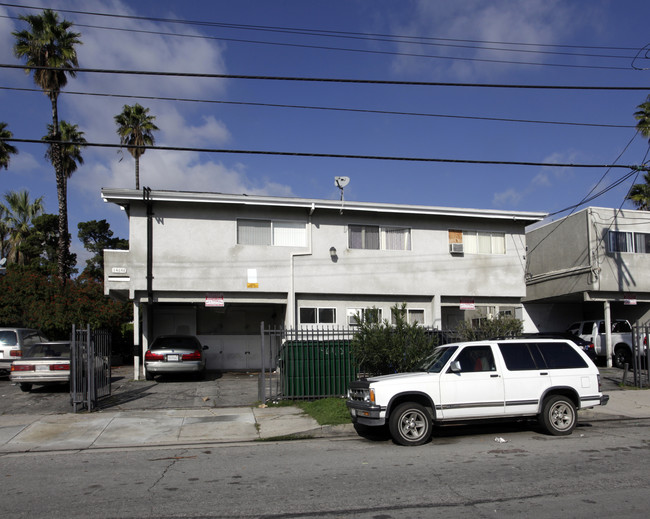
454,367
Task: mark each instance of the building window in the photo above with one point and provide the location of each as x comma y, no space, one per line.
356,316
475,242
396,238
374,237
642,242
271,232
413,315
363,237
312,315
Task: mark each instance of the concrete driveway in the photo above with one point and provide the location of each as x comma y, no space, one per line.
170,392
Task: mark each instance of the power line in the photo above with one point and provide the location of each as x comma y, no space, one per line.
634,167
324,32
327,80
326,108
391,53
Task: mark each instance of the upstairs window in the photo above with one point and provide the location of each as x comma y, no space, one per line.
313,315
620,241
356,316
271,232
373,237
477,242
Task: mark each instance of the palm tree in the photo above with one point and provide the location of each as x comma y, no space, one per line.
639,194
19,213
5,149
49,44
643,116
72,140
135,127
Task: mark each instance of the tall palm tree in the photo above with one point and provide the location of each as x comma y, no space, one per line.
5,149
72,140
643,116
639,194
19,213
50,44
135,128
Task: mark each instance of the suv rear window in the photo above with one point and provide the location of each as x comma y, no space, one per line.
8,338
560,355
522,356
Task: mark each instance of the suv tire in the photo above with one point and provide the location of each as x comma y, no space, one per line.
410,424
558,416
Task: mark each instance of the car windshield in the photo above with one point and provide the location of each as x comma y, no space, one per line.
437,360
8,338
165,343
49,350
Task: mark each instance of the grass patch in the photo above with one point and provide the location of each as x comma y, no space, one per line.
326,411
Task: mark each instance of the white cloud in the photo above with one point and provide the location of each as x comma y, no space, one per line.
510,197
532,21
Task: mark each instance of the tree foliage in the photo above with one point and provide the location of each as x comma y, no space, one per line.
135,127
97,236
30,298
17,212
381,347
50,46
6,149
502,326
40,247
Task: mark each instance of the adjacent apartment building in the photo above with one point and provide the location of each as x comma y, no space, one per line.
217,265
590,265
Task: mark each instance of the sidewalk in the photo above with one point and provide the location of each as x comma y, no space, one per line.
139,428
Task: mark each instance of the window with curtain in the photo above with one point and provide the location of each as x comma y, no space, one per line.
397,238
363,237
267,232
475,242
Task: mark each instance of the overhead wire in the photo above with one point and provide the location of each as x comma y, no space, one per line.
208,75
324,108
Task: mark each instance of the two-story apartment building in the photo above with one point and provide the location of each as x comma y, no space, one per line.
593,264
216,265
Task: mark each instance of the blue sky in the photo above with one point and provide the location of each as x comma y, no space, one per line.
566,43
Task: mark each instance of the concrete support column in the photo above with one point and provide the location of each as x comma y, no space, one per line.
608,333
436,313
136,340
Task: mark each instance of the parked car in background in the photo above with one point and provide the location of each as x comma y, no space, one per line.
42,363
173,354
12,343
621,334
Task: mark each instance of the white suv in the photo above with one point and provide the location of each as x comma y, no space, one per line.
546,378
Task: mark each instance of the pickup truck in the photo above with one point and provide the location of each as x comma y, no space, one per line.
594,331
547,379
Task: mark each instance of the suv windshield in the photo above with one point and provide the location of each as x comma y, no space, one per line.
436,361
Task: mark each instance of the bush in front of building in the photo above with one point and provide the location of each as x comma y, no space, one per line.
502,326
380,347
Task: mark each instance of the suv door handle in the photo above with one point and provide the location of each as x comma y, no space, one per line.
494,376
543,373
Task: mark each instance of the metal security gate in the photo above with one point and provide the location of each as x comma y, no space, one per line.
307,363
641,355
90,367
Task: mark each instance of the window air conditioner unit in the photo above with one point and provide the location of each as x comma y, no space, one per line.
456,248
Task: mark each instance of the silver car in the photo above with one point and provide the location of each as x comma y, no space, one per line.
42,363
171,354
12,343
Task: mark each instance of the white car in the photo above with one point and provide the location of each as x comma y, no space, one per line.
43,363
545,378
12,343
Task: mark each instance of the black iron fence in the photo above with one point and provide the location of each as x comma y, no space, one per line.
641,355
90,367
315,362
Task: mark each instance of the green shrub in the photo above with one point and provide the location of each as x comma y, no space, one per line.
381,348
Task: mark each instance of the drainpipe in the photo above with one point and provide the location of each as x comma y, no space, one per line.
292,318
